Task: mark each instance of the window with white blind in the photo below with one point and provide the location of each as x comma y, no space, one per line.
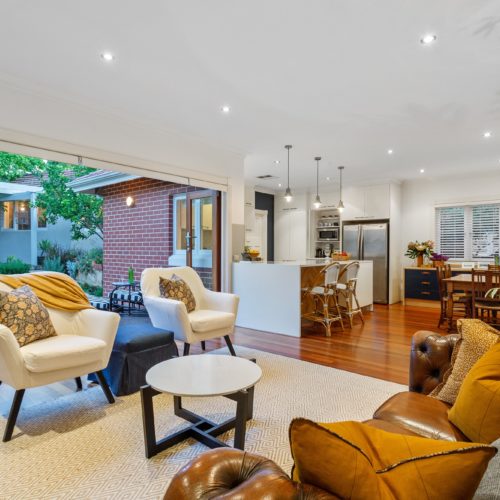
468,232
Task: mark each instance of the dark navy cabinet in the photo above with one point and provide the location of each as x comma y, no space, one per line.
421,284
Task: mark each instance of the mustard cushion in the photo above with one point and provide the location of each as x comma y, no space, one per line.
176,288
353,460
476,338
476,411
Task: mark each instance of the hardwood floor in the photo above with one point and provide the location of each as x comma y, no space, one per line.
380,348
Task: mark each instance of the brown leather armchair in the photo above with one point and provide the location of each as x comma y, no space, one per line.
227,473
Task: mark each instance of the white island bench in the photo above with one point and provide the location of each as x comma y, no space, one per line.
270,293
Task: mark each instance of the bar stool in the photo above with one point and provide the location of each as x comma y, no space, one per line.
347,290
327,310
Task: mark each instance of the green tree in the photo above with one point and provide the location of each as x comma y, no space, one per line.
84,211
12,166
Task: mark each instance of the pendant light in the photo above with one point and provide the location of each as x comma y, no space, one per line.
288,192
340,206
317,201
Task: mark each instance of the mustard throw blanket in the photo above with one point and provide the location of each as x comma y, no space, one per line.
56,290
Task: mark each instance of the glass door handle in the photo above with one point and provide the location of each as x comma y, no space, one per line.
188,240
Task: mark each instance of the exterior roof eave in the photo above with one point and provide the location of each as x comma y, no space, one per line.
91,182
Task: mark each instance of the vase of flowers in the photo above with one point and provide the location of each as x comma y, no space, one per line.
438,259
418,249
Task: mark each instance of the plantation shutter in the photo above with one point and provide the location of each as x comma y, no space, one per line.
485,231
450,231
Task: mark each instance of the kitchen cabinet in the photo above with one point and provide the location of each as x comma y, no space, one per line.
421,284
290,233
249,209
371,202
377,202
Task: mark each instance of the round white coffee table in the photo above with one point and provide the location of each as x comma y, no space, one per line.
204,375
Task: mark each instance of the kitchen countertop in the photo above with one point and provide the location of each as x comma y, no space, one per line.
301,263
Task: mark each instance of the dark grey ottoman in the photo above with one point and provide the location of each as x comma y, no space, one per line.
136,349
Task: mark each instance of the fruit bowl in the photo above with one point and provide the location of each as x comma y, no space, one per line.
340,256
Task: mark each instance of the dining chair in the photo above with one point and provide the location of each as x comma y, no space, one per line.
325,296
462,302
347,290
486,295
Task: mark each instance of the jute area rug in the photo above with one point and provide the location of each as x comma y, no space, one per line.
80,447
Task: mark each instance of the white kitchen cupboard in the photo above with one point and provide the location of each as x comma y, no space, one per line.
290,234
378,202
249,209
365,203
290,229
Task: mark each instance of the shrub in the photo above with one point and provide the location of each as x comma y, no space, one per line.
53,264
72,268
85,264
96,255
14,266
91,289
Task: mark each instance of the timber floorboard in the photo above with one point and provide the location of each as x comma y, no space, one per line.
380,348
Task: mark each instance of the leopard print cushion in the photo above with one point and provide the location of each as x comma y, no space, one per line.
24,314
177,289
476,338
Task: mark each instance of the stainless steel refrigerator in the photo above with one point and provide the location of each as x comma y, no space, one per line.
370,241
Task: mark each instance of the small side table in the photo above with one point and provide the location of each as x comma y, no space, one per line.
204,375
123,285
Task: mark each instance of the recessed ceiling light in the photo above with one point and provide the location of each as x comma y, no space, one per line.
328,179
428,39
107,56
422,170
225,109
487,134
279,185
277,162
390,151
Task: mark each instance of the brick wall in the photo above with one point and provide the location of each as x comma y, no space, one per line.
139,236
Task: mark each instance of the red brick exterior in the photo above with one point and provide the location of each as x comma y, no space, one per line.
140,236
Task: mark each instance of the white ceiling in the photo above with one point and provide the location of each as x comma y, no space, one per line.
345,80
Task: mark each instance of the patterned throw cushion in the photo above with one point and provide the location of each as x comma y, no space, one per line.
476,338
177,289
23,312
476,411
353,460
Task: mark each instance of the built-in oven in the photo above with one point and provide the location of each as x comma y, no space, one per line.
328,234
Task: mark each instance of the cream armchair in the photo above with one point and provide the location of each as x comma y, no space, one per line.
214,316
82,345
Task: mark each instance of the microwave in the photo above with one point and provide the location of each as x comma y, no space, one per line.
330,234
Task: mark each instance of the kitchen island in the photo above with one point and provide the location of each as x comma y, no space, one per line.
270,292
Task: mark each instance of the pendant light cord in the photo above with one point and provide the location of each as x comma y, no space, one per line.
317,178
288,169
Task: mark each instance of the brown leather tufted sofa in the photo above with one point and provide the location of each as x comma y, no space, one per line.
226,473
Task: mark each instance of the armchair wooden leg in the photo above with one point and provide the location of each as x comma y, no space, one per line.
186,349
14,412
203,345
105,387
79,385
229,345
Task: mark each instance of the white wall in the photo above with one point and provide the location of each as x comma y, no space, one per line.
420,197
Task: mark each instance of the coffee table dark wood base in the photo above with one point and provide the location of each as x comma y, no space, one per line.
202,430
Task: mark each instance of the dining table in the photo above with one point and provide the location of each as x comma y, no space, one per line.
457,283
